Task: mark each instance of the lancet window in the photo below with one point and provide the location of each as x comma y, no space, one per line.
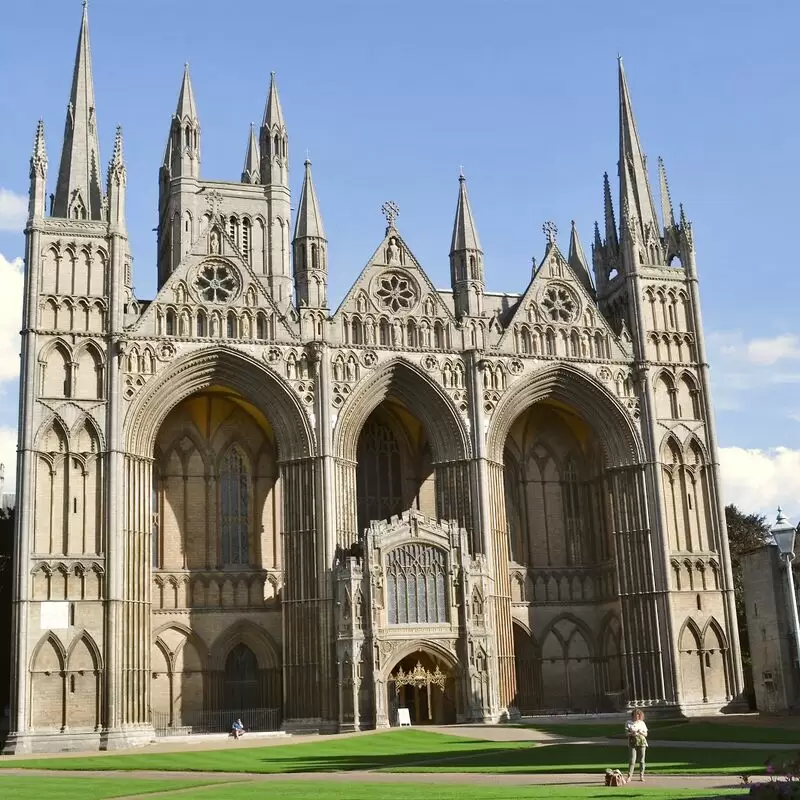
234,508
415,585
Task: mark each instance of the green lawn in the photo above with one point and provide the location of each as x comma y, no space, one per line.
671,731
22,788
34,788
418,751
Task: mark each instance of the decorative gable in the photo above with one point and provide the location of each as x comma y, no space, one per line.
214,294
557,317
394,304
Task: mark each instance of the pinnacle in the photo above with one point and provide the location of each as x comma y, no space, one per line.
309,218
38,142
273,114
666,201
252,159
186,106
634,186
465,234
577,258
79,170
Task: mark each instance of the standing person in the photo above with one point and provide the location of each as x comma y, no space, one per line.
637,742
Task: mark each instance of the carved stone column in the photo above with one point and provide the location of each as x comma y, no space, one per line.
638,590
303,674
134,609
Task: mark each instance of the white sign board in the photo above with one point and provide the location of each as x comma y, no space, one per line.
54,616
403,718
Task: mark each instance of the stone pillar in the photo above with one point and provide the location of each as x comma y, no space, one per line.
638,592
501,601
303,674
26,481
132,610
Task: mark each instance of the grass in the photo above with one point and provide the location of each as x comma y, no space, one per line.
419,751
671,731
33,788
23,788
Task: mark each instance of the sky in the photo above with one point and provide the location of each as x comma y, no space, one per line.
390,100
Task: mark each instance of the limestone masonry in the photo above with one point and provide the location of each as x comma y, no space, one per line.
468,504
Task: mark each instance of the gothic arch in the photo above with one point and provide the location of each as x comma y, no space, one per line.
580,626
56,424
619,439
426,646
49,639
90,644
424,398
250,634
188,634
88,422
221,366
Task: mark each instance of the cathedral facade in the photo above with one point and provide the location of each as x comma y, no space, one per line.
469,504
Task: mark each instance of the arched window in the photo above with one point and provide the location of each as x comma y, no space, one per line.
438,336
358,331
234,509
241,680
384,335
261,328
171,319
411,334
202,323
379,479
572,513
232,332
526,345
415,585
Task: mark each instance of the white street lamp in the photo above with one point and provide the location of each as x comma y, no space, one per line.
783,532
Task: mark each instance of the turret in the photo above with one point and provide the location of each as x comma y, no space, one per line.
466,259
310,249
38,175
577,260
78,192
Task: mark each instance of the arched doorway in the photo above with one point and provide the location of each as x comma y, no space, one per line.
241,685
424,685
528,666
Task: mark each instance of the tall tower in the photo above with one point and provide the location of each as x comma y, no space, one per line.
310,249
647,281
466,259
67,629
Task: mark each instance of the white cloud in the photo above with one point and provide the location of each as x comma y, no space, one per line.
13,211
733,346
758,481
11,280
8,456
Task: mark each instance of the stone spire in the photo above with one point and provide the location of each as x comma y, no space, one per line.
274,141
666,201
38,175
466,258
182,153
636,200
117,180
309,220
251,173
577,260
78,192
310,249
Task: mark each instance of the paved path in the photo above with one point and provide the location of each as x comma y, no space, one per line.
364,776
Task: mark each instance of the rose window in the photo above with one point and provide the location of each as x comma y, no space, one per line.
396,292
559,304
215,283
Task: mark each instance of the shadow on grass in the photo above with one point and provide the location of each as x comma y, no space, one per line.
418,751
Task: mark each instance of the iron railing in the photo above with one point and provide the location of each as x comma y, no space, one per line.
197,722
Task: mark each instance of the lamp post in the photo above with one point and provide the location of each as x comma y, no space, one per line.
783,532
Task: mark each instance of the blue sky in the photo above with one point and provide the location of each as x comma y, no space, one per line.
390,99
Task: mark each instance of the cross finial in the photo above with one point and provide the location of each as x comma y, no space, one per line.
460,170
308,154
390,210
550,231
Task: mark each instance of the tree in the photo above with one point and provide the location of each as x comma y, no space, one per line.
746,532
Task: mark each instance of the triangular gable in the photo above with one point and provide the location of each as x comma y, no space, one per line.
556,296
367,296
186,288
